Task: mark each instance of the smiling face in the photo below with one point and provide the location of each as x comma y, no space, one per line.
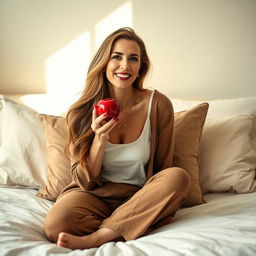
124,63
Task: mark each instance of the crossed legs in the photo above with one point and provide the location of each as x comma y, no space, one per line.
92,223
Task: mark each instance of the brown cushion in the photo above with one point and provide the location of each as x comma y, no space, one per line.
58,164
188,130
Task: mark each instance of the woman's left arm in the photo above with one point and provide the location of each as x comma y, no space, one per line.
165,134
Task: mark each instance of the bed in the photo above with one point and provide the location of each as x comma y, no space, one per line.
217,219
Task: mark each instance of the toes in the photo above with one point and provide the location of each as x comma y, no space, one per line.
62,240
62,244
61,236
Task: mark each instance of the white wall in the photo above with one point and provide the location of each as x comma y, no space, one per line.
199,48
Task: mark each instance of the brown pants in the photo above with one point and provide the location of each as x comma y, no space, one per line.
80,213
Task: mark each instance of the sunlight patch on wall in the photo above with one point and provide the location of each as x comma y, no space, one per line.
45,103
65,73
66,69
121,17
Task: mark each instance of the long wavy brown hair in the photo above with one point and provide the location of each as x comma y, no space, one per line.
79,116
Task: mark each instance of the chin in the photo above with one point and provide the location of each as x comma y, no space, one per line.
122,86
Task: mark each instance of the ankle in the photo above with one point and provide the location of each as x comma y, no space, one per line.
94,240
104,235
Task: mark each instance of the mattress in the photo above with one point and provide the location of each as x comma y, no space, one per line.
225,225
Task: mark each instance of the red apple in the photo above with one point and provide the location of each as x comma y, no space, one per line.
109,106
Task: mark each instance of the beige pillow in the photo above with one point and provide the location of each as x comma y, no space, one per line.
228,154
188,130
58,164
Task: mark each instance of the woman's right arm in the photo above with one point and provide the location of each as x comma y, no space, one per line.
88,176
101,137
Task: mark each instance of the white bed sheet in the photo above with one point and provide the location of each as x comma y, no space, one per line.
226,225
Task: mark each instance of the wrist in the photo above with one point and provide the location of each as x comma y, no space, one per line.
101,139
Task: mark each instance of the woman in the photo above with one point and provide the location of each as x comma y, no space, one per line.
123,180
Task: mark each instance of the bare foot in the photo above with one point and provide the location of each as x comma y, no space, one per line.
72,242
93,240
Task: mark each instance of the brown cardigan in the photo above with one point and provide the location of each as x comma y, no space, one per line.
161,156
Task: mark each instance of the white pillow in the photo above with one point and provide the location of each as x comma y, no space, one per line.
220,107
23,149
228,154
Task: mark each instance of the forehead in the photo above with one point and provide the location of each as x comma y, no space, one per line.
126,46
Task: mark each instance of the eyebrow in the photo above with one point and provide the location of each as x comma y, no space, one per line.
120,53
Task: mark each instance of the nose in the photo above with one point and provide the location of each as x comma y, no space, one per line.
124,64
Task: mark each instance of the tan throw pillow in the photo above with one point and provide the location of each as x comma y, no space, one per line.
188,130
58,164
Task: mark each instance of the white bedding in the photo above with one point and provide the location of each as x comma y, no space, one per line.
225,225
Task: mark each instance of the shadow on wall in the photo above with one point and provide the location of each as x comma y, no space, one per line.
65,69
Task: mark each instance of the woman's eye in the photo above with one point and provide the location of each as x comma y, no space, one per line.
116,57
134,59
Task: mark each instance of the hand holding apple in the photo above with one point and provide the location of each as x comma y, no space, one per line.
108,106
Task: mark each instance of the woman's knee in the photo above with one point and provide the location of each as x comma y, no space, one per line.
176,178
57,221
77,213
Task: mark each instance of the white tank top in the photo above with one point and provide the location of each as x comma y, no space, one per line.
125,163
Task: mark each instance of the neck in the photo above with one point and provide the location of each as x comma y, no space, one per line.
124,97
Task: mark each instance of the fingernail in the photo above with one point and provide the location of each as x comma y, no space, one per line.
116,118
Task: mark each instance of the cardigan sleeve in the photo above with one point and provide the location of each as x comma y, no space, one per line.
81,175
165,134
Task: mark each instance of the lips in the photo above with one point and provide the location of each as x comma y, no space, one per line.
123,76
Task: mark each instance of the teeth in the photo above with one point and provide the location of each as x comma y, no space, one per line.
122,75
